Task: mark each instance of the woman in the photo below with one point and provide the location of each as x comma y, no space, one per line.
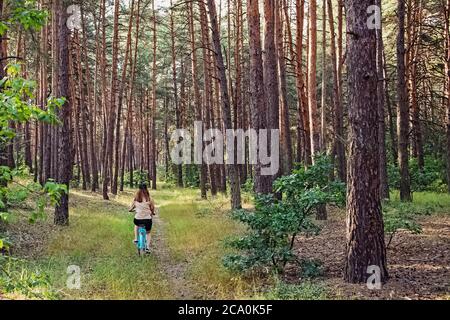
145,210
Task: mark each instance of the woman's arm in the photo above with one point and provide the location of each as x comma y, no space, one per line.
152,207
133,206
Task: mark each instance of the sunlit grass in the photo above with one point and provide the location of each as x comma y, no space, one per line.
99,241
426,201
196,230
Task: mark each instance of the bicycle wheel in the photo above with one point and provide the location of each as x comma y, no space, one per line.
142,239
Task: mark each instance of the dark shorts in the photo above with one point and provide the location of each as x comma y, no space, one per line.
147,223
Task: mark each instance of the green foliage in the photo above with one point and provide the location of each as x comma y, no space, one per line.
18,195
16,96
311,268
401,216
191,176
16,278
430,178
5,244
23,13
312,185
248,186
274,224
15,103
268,240
138,177
304,291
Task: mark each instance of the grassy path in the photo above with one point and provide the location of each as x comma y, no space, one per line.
187,248
174,271
185,260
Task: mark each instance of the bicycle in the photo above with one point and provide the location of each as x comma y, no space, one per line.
141,240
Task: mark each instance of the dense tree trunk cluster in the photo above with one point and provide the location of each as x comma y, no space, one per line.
132,72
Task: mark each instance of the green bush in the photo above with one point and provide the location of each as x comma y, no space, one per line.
275,224
311,268
304,291
138,177
16,278
191,176
248,186
401,216
430,178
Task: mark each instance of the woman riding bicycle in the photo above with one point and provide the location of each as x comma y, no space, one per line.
145,210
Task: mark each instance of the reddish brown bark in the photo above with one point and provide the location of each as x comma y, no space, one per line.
365,230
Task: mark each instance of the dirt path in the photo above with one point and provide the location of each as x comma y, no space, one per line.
175,271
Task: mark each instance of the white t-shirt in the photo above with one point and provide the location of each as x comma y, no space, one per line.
143,211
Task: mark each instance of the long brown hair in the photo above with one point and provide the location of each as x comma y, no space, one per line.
142,194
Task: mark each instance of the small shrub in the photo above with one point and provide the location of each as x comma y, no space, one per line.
311,268
430,178
275,224
304,291
248,186
16,278
401,217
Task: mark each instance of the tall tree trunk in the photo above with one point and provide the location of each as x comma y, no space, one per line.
64,131
392,131
198,100
92,108
21,52
257,100
414,39
226,110
284,125
365,230
314,117
104,96
43,89
403,110
123,81
3,55
153,111
179,168
381,89
303,140
323,118
81,115
270,63
207,106
338,148
447,69
108,161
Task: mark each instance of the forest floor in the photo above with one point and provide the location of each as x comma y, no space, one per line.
187,248
418,264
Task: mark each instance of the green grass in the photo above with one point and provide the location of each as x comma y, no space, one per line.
426,202
195,231
305,291
99,241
